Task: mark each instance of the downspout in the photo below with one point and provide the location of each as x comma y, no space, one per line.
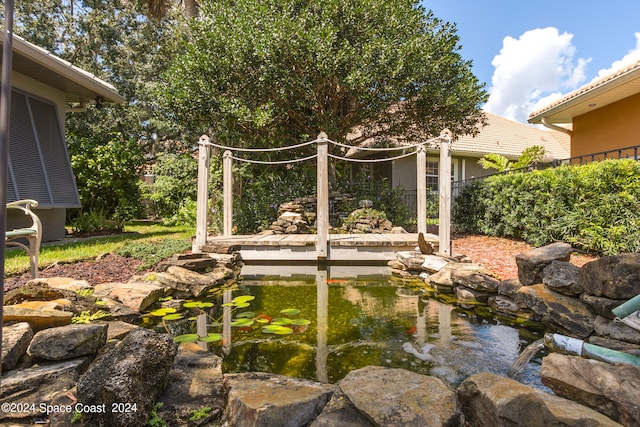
552,126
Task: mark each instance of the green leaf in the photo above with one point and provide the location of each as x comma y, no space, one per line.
163,311
300,322
277,329
186,338
211,337
247,314
241,299
290,311
174,316
242,322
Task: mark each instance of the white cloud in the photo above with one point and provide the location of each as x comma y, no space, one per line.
631,57
536,66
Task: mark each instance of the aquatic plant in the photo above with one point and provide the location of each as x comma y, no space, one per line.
285,324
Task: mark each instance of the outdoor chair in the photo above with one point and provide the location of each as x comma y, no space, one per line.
31,234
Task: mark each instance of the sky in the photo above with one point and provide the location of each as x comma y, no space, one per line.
530,53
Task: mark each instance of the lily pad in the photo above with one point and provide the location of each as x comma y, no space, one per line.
163,311
242,322
281,321
262,320
247,314
211,337
277,329
241,299
300,322
290,311
186,338
173,316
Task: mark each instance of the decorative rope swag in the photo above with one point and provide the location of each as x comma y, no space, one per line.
322,187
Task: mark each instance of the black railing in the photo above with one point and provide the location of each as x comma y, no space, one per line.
619,153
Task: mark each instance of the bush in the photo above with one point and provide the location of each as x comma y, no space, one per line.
595,207
175,183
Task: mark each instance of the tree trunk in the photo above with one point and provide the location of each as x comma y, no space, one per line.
190,8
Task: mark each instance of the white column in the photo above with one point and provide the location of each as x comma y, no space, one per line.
322,322
202,198
444,229
421,188
322,189
227,193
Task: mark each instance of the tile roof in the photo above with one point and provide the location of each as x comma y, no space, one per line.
499,136
509,138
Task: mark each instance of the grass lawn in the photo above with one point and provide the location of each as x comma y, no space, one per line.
149,242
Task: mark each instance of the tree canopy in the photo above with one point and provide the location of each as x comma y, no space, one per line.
270,72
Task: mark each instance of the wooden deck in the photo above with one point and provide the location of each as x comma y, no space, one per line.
343,248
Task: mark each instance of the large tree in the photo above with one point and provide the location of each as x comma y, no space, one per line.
259,72
113,40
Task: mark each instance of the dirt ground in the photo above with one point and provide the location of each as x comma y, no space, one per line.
495,253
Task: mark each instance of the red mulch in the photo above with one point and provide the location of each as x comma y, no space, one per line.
498,253
108,268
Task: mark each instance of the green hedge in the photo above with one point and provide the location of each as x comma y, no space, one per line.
595,207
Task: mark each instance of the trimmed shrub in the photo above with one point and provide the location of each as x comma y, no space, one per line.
595,207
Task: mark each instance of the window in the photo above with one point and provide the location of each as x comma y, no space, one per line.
432,175
39,166
433,170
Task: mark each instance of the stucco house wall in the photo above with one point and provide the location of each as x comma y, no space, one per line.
610,127
601,116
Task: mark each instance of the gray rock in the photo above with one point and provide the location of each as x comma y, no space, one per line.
135,371
600,305
135,295
531,264
613,390
468,295
38,385
491,400
259,399
562,277
196,262
433,263
474,279
15,340
615,277
195,382
36,318
412,260
509,288
119,311
68,342
341,412
560,312
397,397
616,330
118,329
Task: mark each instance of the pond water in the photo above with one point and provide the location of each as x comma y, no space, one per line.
366,318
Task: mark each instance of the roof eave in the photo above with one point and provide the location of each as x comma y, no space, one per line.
581,100
65,70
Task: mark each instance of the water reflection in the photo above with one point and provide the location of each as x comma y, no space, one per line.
364,319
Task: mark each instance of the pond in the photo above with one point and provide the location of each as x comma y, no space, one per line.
351,317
